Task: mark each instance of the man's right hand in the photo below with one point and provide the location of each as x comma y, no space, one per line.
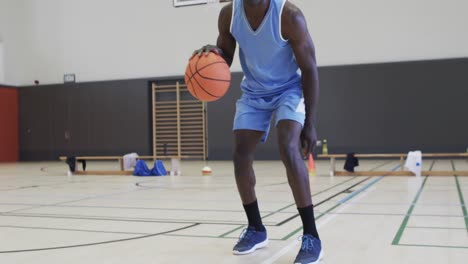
207,49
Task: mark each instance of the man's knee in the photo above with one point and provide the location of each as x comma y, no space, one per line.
242,153
289,149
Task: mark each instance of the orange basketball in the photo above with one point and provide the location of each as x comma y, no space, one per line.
207,77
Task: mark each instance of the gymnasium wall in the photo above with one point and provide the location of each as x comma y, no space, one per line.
374,99
8,124
121,39
2,67
96,118
373,108
368,108
15,37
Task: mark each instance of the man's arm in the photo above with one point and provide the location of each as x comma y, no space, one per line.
294,29
225,44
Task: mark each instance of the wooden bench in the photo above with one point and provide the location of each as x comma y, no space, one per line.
175,160
401,157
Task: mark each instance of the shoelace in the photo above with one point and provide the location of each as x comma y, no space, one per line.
307,244
246,235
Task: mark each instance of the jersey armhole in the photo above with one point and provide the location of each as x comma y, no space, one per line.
232,15
281,21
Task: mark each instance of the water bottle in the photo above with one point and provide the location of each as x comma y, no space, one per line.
324,147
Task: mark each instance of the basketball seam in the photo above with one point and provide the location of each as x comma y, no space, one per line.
196,67
213,79
190,80
204,77
187,82
204,88
197,71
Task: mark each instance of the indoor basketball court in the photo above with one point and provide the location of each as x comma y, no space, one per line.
116,138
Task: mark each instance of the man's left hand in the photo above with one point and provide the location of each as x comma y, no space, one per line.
308,138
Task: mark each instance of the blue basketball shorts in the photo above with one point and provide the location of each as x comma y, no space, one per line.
256,113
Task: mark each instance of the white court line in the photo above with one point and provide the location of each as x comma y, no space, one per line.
425,204
322,223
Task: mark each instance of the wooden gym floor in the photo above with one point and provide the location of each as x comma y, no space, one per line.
47,217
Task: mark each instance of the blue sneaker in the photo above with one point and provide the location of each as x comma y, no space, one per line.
310,252
249,241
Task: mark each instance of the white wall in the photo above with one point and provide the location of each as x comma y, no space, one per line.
14,33
2,70
118,39
361,31
114,39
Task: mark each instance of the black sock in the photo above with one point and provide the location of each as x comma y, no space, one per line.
308,220
253,215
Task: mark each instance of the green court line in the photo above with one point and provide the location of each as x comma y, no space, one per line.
462,201
334,186
277,211
329,210
232,231
315,194
281,209
317,218
273,184
413,215
435,227
432,165
436,246
320,192
403,225
381,165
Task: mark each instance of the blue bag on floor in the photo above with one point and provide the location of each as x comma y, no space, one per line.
158,169
141,169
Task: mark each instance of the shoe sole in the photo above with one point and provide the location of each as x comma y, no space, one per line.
257,246
315,262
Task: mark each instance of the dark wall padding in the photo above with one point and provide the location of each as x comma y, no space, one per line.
395,107
372,108
101,118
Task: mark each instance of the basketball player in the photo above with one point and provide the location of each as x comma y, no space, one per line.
274,43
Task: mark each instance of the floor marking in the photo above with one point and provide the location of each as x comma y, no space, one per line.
435,227
331,197
295,242
232,231
123,219
344,200
324,201
435,246
421,204
462,201
73,230
74,201
400,231
100,243
283,208
314,194
394,214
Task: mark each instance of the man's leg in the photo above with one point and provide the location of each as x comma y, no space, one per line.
254,236
244,148
289,145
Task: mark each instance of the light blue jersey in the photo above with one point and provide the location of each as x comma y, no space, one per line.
271,82
267,59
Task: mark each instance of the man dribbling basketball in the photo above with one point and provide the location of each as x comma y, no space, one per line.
274,43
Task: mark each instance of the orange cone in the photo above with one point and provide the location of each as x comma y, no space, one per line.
311,166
